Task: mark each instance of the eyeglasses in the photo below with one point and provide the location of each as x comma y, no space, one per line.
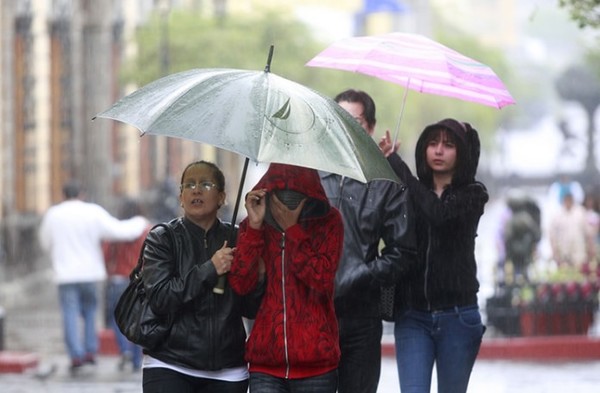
203,185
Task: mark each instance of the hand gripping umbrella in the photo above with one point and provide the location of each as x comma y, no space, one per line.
417,63
260,115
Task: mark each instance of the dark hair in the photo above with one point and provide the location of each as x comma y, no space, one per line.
217,173
466,140
363,98
447,135
71,189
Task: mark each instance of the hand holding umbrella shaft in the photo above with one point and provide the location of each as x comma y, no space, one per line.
387,146
222,259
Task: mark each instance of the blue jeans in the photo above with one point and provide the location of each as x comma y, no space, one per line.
263,383
450,338
114,289
360,364
79,300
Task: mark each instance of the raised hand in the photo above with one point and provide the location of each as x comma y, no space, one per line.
386,145
256,207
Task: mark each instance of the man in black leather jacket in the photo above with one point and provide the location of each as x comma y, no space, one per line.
374,213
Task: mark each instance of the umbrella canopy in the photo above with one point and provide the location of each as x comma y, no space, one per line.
257,114
418,63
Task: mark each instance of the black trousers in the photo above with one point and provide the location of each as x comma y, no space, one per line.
360,365
163,380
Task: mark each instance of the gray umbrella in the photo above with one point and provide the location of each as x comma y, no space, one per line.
257,114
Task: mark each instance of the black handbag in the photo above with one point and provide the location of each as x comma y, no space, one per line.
133,315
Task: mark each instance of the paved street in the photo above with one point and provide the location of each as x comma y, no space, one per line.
517,377
32,324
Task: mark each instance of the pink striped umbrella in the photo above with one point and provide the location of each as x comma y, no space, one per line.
418,63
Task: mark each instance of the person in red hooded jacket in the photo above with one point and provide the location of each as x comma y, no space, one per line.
294,236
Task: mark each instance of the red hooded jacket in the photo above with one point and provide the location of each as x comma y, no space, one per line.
295,334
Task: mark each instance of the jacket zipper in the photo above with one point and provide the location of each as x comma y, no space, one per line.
427,268
283,297
339,201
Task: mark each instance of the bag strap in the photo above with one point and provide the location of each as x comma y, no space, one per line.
140,264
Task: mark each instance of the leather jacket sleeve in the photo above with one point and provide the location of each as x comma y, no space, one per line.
167,289
392,224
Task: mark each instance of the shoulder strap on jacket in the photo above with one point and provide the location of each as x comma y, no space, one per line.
140,264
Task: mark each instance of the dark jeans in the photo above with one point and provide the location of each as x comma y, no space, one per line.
360,365
163,380
264,383
450,339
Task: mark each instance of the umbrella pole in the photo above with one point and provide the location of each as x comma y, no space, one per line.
220,287
401,114
238,199
269,58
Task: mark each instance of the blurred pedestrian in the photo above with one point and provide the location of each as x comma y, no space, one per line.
562,186
439,322
121,258
592,215
522,233
204,351
569,235
71,233
373,213
294,236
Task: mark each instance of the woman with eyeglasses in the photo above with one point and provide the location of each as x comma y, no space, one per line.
205,349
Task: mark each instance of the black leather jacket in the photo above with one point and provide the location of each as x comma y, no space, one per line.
208,331
376,212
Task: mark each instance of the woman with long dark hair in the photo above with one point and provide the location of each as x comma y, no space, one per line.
437,317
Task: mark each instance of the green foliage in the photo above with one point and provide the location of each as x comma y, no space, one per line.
585,12
197,41
593,61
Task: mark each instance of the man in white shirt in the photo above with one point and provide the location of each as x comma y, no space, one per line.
71,233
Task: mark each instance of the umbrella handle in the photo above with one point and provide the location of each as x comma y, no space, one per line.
219,289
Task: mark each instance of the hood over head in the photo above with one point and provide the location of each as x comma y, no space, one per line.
467,151
293,183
